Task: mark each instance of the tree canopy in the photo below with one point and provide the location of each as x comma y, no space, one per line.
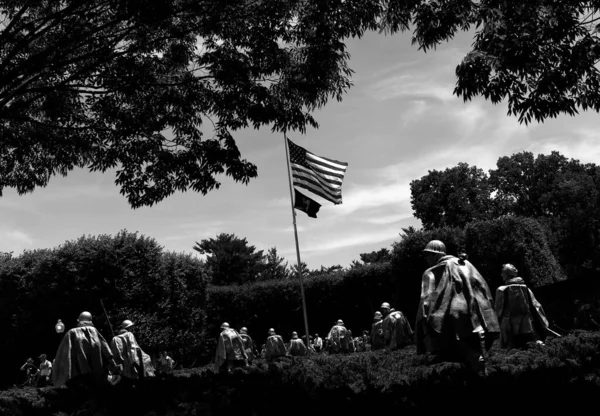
156,89
562,194
230,260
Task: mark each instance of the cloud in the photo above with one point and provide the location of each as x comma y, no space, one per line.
411,86
15,240
387,219
331,244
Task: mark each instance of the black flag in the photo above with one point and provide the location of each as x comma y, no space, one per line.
305,204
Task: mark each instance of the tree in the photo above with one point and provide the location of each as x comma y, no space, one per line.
561,194
157,88
453,197
541,54
274,267
380,256
331,269
304,270
231,260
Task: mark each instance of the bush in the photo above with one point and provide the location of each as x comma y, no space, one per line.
351,295
163,293
564,374
516,240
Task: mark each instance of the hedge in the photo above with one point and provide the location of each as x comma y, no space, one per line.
163,293
562,375
517,240
352,295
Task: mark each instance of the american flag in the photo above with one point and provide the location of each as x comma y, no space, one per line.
320,175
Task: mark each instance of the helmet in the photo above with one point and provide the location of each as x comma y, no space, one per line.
378,314
271,331
510,270
224,325
244,330
435,246
340,322
385,305
294,334
84,316
126,324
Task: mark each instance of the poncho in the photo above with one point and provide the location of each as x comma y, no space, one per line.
297,347
397,332
377,335
248,345
230,346
455,302
338,339
83,350
519,312
126,351
275,347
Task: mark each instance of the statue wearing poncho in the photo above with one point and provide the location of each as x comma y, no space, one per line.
275,347
126,351
522,318
230,348
83,350
456,312
339,341
397,332
377,341
297,347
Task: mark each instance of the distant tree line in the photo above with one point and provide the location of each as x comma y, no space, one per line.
562,195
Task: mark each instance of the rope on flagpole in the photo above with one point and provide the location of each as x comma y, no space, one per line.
299,271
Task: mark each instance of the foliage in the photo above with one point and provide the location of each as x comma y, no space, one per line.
352,295
451,198
565,369
231,260
158,89
516,240
381,256
539,54
562,194
274,267
130,275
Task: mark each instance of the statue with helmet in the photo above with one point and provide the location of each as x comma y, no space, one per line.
275,347
522,318
397,332
377,342
297,347
338,338
83,355
249,346
230,349
132,360
456,320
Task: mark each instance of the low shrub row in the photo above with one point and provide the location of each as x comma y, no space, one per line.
562,375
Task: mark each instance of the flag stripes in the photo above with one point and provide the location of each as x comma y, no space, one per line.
317,174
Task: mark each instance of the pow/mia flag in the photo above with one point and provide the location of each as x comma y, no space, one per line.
306,204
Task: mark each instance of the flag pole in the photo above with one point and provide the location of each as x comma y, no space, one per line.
287,153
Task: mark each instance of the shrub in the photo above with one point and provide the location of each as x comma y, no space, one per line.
516,240
351,295
163,293
563,374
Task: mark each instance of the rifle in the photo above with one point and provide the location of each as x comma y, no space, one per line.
107,319
556,334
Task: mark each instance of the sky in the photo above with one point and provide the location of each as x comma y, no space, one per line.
399,121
